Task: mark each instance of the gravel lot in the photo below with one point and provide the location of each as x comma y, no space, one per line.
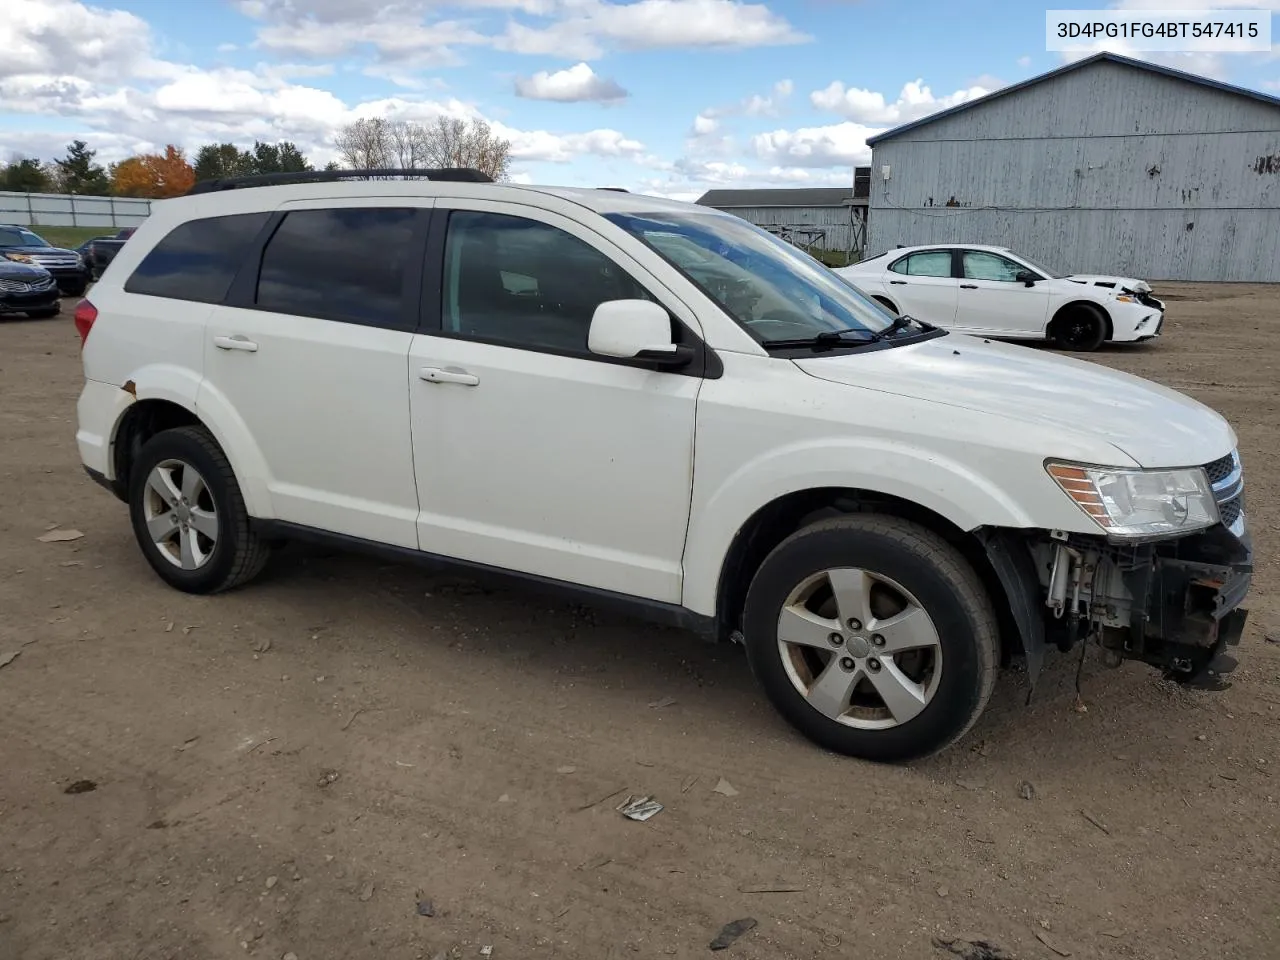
291,768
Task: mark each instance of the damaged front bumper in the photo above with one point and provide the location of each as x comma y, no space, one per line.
1173,604
1186,606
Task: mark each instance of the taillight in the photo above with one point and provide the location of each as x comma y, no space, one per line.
85,314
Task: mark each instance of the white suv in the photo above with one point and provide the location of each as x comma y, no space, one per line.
662,407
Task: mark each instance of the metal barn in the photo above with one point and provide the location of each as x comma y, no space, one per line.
823,218
1106,165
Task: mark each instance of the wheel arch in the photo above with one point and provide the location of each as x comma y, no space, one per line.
778,519
1077,304
162,404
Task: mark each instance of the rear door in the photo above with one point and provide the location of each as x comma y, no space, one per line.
922,284
992,299
311,354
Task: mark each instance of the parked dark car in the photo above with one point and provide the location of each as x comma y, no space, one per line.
19,244
100,251
27,288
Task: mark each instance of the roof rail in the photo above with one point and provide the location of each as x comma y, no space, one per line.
453,174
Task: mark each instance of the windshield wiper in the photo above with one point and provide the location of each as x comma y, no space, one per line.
824,340
901,323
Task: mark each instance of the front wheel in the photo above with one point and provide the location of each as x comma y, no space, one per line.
189,516
873,637
44,314
1080,329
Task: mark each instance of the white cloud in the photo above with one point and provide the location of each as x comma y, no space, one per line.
704,126
582,29
758,106
1024,62
574,85
843,144
97,70
867,106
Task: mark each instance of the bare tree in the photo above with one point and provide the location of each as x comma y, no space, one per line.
378,144
453,142
364,144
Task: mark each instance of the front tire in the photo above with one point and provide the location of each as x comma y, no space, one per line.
189,516
44,314
873,637
1080,329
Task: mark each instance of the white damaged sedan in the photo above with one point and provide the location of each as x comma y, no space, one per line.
993,292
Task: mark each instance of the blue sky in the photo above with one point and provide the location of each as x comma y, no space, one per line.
666,96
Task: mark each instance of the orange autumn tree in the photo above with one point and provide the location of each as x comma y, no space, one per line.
153,175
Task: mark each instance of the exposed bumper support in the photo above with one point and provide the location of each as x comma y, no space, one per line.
1014,566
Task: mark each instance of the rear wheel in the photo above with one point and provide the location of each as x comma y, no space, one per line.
873,637
189,516
1080,328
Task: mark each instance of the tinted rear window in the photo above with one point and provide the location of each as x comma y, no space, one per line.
198,259
344,263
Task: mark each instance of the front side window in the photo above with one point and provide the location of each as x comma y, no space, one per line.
197,260
18,237
342,263
524,283
929,263
770,288
979,265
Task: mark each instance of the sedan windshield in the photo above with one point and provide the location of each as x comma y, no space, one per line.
775,292
17,237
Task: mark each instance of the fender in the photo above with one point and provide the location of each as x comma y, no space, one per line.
184,388
948,488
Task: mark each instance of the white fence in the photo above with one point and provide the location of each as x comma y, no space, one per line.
71,210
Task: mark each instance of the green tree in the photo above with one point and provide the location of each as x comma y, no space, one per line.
77,172
24,173
215,160
292,159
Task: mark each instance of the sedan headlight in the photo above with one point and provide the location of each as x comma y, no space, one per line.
1139,503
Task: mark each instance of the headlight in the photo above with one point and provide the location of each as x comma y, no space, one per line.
1139,503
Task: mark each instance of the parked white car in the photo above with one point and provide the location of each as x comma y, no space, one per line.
661,407
993,292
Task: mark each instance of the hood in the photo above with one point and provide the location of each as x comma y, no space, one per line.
1154,425
1118,283
29,250
26,272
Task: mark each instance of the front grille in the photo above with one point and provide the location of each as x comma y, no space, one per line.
14,286
1231,511
1220,469
1226,477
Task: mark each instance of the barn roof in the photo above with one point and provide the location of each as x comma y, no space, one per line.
1077,65
785,197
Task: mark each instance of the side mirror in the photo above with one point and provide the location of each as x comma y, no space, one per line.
1027,277
636,330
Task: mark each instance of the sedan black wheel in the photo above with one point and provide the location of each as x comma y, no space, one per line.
1080,329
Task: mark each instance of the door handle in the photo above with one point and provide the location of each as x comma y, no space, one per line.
968,286
235,343
440,375
899,282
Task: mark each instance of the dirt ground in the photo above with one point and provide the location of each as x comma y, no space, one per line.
291,768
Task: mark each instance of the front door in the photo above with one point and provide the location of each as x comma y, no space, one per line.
312,359
994,301
921,284
533,454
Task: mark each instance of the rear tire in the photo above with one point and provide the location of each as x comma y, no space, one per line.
904,676
189,516
1080,328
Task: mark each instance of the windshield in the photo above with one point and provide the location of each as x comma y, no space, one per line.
17,237
768,286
